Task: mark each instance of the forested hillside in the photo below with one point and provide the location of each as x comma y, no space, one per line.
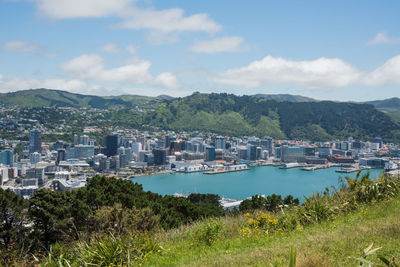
58,98
249,115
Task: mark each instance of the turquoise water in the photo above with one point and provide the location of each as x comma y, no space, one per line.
240,185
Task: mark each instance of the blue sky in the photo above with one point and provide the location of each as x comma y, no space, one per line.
339,50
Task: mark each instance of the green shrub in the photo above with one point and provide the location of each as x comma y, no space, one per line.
315,209
208,232
118,220
105,250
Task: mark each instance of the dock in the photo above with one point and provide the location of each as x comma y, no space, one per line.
313,168
224,171
351,169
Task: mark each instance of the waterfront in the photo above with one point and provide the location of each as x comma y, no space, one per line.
240,185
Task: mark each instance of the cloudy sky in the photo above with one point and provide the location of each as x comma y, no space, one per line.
339,50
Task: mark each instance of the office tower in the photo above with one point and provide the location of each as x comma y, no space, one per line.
84,140
111,142
61,155
160,156
75,139
7,157
210,153
35,141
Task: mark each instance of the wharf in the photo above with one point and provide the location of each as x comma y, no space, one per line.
224,171
350,170
313,168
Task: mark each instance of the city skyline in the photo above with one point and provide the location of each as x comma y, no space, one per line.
336,51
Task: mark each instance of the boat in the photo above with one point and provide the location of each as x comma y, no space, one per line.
291,165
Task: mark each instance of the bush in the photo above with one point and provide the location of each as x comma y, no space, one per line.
118,220
315,209
105,250
208,232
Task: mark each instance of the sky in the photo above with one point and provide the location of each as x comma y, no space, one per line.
333,50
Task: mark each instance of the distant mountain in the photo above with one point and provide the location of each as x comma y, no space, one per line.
286,97
390,105
58,98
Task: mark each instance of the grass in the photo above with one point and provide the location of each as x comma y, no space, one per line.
330,243
326,230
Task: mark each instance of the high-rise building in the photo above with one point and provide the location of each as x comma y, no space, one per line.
84,140
35,141
111,142
220,143
251,152
149,159
61,155
160,156
267,143
34,157
210,153
136,147
7,157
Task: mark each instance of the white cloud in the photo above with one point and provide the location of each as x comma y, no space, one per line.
111,48
169,20
92,68
388,73
19,46
319,73
383,38
18,83
167,79
133,17
69,9
224,44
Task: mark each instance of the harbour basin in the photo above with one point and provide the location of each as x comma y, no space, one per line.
239,185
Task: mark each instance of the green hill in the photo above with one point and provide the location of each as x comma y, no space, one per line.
248,115
58,98
285,98
390,105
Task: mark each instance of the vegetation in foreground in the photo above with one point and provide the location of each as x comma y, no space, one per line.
330,229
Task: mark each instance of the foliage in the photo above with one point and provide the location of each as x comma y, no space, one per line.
369,251
271,203
104,250
121,221
12,219
208,232
250,115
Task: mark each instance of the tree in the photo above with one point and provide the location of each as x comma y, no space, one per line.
273,202
12,218
50,214
290,201
256,202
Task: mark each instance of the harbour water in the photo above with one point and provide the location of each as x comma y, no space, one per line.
240,185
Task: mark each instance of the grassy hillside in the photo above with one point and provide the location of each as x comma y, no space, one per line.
58,98
286,98
391,105
331,229
248,115
331,243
